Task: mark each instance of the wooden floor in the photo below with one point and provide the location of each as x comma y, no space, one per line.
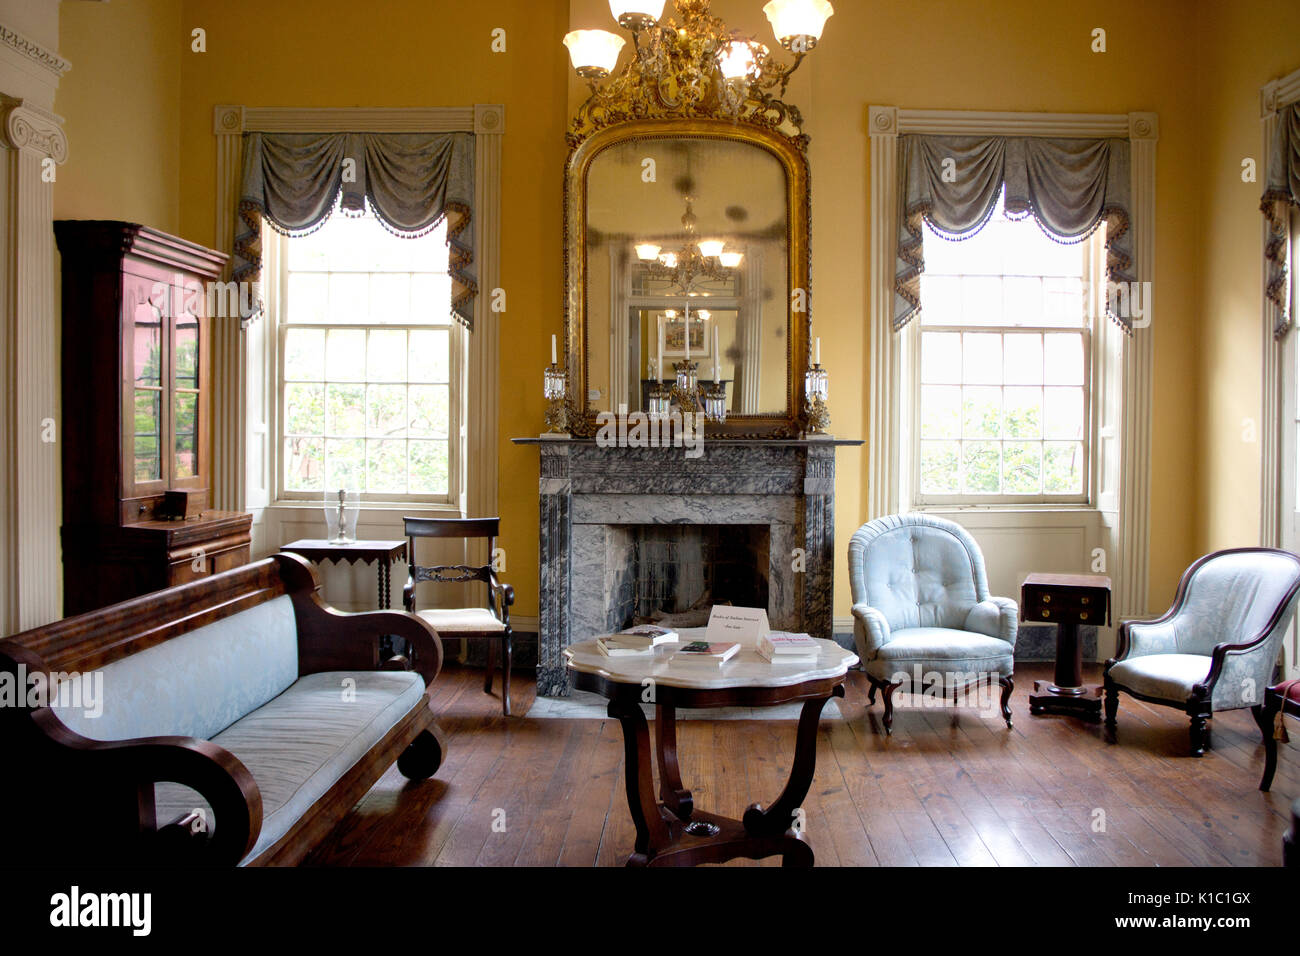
948,788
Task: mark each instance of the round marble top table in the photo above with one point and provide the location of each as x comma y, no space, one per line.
670,831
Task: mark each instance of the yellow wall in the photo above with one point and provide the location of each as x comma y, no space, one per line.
121,108
1010,55
1238,54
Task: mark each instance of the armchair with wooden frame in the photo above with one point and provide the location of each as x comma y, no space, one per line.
491,621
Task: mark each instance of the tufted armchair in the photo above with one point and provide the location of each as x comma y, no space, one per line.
922,612
1215,649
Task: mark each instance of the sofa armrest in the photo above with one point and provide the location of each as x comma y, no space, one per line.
120,774
1143,638
870,630
995,617
336,640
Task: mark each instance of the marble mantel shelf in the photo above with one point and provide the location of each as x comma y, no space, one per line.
593,497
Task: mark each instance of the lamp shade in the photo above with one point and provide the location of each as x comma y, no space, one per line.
794,19
711,247
636,14
730,260
593,52
647,251
669,259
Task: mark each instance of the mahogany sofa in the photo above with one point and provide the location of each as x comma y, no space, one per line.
239,719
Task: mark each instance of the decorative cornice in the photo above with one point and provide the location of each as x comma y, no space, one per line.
982,123
232,119
26,127
1278,93
41,56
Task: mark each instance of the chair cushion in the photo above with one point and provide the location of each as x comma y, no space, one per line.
940,649
1289,691
198,684
470,620
299,744
1168,677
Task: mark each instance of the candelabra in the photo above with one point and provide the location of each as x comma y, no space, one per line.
815,393
555,388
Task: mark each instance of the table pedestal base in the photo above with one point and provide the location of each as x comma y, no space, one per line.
1084,701
663,822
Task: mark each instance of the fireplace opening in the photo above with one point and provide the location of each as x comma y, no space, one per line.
682,570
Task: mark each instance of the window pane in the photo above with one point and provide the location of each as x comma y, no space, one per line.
386,356
304,409
981,300
941,296
982,358
1022,300
1063,302
349,298
345,463
940,411
390,298
430,414
1063,468
386,411
939,467
941,357
345,355
428,468
982,412
430,358
345,407
148,345
304,464
1064,354
186,358
982,467
431,299
386,470
308,297
1063,413
1023,357
1023,413
185,430
148,425
1022,464
304,355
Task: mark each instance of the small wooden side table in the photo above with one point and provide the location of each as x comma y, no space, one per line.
1066,600
383,552
670,830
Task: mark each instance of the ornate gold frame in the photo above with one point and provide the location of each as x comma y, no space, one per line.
789,151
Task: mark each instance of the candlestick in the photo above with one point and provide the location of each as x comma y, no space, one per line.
817,360
716,372
659,363
687,321
553,361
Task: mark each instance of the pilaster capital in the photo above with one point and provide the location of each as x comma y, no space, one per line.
27,127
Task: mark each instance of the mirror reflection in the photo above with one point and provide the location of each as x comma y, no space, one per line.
687,260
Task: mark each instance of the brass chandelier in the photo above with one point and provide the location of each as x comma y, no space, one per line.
697,68
695,260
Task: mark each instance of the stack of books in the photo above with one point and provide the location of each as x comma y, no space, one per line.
704,651
780,647
642,639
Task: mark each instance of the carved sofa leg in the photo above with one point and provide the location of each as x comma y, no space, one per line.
1008,685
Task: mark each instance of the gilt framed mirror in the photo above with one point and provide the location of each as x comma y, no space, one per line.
687,241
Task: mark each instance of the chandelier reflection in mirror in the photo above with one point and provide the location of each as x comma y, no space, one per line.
695,260
693,69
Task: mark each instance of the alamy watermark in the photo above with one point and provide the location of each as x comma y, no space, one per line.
55,689
1125,300
641,430
218,300
977,689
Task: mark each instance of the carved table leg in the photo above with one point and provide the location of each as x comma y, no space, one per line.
676,797
782,815
651,831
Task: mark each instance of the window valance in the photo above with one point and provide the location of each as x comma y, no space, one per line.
1069,186
411,181
1281,192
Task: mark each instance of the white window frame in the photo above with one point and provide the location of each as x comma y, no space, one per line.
1122,501
276,264
912,400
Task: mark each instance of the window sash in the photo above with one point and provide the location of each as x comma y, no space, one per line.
278,302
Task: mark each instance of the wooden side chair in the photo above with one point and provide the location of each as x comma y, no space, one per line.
1280,699
492,621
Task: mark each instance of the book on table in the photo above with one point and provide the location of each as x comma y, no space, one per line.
717,653
643,635
780,647
611,649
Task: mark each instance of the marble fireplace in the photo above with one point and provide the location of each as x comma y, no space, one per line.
628,531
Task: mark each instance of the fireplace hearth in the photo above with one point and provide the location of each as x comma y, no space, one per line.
628,532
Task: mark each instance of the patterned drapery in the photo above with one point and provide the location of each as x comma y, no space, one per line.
1070,187
1281,192
411,181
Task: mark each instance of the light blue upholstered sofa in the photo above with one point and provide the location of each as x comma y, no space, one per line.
1216,647
922,615
239,704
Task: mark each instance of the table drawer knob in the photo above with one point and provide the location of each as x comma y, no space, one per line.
1046,612
1083,615
1083,600
1047,599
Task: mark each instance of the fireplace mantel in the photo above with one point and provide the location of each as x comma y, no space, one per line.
587,490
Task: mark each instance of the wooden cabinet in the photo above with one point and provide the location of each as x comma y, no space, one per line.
137,415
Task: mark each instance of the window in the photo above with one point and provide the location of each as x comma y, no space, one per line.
370,364
1001,395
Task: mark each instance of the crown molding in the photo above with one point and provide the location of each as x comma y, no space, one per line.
33,51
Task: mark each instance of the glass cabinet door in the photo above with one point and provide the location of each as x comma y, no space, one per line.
186,345
147,359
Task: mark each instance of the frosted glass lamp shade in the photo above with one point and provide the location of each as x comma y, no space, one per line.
730,260
711,247
636,14
647,251
593,52
739,59
798,24
669,259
